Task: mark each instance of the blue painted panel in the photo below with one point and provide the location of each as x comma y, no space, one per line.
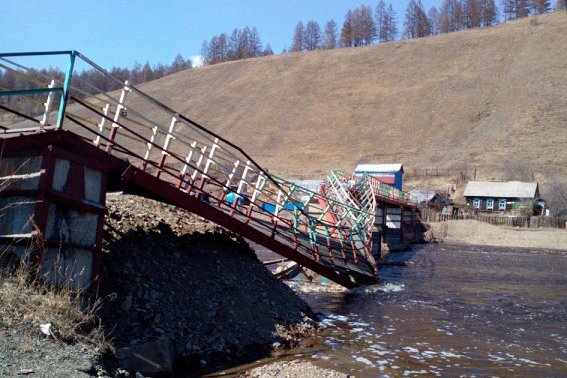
271,208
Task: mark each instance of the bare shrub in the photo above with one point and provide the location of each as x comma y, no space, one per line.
517,170
29,304
557,198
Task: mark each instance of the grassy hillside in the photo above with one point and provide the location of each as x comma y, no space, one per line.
478,98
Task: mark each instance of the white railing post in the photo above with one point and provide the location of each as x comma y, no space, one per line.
48,105
231,175
243,183
150,143
186,165
169,137
101,124
198,164
259,183
120,105
210,158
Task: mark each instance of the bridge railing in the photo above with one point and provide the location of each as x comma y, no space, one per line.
130,124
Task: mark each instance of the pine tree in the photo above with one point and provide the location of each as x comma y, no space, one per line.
515,9
472,10
312,36
540,6
298,38
366,26
433,16
330,35
254,43
244,45
379,18
416,23
390,27
489,13
268,50
234,45
347,34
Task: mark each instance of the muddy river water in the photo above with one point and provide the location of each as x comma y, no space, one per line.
455,310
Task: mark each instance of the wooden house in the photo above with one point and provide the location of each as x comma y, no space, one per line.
493,196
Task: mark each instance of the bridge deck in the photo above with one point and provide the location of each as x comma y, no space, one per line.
165,155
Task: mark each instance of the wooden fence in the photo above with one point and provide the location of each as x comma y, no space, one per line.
428,215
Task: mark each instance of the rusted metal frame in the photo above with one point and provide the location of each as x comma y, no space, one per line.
65,199
329,246
42,208
93,163
97,265
175,197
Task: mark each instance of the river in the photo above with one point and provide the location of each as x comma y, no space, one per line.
454,311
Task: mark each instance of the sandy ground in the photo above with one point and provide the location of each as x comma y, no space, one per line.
479,233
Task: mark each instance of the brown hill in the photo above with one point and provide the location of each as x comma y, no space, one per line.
479,98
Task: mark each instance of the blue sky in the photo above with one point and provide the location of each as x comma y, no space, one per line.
120,33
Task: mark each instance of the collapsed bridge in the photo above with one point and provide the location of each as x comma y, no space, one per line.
59,162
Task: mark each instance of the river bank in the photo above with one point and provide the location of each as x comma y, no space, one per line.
179,295
480,233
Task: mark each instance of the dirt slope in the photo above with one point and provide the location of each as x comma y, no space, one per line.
478,97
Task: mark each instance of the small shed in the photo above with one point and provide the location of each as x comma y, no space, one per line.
391,174
495,196
423,195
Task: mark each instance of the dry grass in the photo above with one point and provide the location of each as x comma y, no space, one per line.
26,303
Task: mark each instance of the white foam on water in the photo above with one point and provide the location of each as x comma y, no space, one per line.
450,355
429,354
386,288
444,331
313,287
414,372
411,349
357,329
363,360
358,324
340,318
529,362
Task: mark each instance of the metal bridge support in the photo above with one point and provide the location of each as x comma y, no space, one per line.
55,201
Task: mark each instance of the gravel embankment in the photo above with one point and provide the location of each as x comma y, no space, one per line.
294,369
177,282
480,233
